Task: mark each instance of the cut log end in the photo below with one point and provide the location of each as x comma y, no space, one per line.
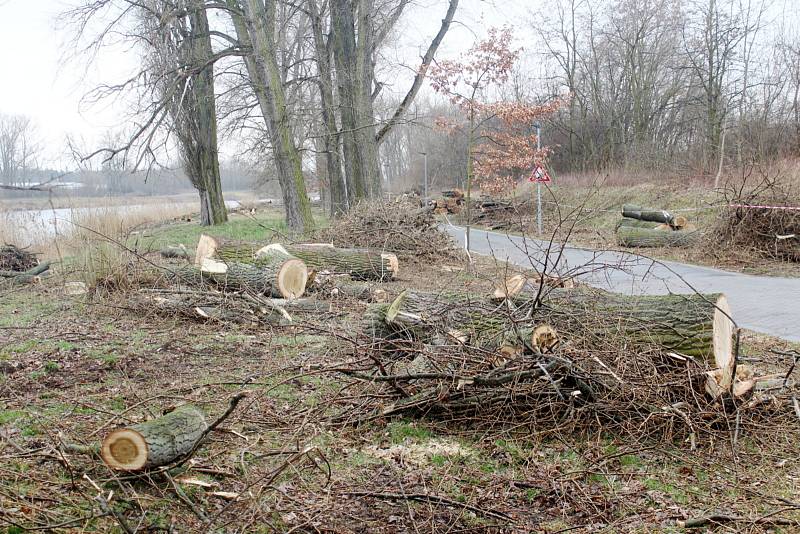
679,222
544,338
510,287
394,307
270,249
394,263
723,340
212,266
206,249
292,279
517,284
124,449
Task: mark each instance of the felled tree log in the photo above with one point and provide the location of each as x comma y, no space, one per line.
276,275
348,288
518,285
33,271
458,318
361,264
633,211
156,442
697,325
636,223
628,236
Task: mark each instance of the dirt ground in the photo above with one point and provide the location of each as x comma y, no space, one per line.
71,368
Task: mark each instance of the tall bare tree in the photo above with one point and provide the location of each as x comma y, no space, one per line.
255,25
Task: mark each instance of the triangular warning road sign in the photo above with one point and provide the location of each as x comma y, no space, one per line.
539,175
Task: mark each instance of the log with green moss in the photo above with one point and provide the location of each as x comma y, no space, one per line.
154,443
278,275
636,223
632,237
697,325
360,264
450,317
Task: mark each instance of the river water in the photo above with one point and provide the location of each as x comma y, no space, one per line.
31,227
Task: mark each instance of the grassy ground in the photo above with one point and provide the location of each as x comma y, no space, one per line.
595,212
71,368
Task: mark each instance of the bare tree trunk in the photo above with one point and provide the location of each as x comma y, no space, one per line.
336,180
254,21
354,74
198,124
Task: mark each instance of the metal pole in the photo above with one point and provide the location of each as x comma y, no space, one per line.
538,184
425,154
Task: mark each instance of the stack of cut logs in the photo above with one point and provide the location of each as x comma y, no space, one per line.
20,267
648,227
449,351
451,202
270,278
454,351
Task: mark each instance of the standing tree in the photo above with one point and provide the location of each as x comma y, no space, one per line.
18,149
183,56
174,84
358,30
255,25
496,154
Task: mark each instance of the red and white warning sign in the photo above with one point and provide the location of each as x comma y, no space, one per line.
539,175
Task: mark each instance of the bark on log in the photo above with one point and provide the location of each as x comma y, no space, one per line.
458,318
633,211
156,442
696,325
628,236
361,264
274,275
33,271
636,223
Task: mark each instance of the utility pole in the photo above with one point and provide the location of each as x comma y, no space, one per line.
538,127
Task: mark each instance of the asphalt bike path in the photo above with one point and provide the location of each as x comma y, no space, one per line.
766,304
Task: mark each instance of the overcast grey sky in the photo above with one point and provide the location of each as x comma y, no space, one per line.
36,82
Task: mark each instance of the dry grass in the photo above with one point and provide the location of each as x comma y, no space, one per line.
64,231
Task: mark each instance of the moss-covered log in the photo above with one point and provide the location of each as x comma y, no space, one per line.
636,223
156,442
277,275
697,325
457,318
628,236
360,264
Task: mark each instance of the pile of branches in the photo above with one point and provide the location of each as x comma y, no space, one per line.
771,231
13,258
553,359
20,267
399,226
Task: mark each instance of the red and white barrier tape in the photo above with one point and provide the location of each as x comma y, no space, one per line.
790,208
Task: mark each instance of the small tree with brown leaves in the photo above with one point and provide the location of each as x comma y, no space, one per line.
500,142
